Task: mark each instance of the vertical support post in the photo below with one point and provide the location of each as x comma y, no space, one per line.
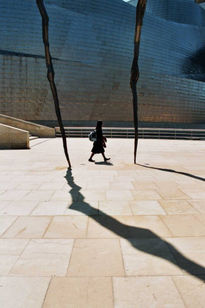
140,10
51,73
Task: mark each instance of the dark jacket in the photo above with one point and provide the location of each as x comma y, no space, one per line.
98,144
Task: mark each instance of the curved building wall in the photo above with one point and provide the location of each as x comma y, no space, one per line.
92,46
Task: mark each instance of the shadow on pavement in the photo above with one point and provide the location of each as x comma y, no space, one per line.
174,171
140,238
104,163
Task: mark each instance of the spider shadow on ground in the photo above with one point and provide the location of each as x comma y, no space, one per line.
140,238
173,171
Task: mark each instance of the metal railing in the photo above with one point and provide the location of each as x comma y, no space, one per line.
149,133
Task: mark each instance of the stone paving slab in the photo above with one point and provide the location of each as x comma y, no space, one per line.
80,292
103,235
22,292
146,292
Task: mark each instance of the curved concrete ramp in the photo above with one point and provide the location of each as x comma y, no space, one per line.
13,138
33,128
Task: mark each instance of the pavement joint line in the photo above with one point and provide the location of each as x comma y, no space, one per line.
44,299
69,261
49,224
29,240
2,235
178,290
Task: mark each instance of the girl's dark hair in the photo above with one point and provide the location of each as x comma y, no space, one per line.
99,124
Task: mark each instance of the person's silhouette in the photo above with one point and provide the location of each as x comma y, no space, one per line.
99,144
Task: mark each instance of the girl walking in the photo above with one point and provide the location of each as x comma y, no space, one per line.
99,144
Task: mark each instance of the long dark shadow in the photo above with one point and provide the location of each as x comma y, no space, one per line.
153,245
174,171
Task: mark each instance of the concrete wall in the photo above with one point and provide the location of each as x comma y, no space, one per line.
32,128
13,138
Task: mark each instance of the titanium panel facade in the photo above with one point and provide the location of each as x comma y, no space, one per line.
91,42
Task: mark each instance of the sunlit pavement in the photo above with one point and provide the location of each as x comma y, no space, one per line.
103,235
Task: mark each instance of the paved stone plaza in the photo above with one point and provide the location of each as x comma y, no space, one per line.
103,235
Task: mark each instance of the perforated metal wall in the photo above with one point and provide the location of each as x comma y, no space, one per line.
92,45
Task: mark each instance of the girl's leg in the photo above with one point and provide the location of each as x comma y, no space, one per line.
91,156
105,159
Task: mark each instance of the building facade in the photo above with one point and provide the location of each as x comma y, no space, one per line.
91,43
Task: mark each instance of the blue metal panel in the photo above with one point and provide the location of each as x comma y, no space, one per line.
92,46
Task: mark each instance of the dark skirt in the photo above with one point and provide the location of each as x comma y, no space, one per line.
97,148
